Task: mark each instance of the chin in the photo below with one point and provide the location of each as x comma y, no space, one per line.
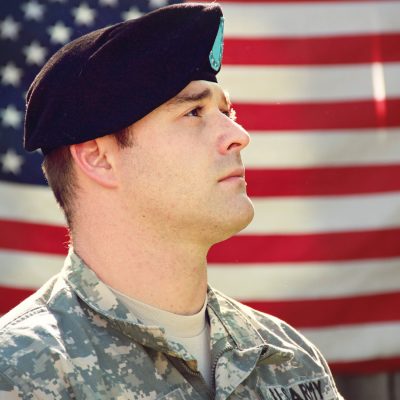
236,221
243,218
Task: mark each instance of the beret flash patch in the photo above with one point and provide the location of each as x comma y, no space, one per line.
218,47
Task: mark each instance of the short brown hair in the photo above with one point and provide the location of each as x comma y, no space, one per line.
58,169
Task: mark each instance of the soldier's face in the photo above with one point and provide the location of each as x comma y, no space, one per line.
184,171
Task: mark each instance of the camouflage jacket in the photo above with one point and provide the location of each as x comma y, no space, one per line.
74,340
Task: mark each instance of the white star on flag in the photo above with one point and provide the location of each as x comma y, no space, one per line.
35,53
157,3
10,74
110,3
33,10
11,117
84,15
11,162
132,13
9,28
59,33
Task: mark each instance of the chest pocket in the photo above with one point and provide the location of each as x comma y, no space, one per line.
311,389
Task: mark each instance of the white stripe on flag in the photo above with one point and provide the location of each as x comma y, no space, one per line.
30,203
358,342
273,215
336,18
311,83
27,270
288,149
320,214
301,281
274,281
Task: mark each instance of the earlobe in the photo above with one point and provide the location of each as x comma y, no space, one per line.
94,160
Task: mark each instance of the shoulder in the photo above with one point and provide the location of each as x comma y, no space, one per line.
272,329
32,347
290,360
258,319
28,332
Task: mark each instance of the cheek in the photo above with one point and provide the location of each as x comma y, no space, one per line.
176,162
155,173
179,160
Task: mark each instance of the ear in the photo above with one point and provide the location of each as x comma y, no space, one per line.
94,159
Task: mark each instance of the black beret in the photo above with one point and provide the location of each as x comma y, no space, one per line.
110,78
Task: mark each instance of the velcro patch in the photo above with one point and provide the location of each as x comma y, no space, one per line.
218,47
313,389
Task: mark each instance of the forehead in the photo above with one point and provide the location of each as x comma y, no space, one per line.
194,92
199,90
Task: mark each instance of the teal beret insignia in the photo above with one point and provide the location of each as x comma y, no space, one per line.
218,47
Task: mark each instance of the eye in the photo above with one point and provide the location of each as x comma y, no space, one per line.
195,112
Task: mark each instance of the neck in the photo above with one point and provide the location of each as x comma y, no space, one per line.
164,271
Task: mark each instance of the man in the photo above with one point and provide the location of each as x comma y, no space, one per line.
143,154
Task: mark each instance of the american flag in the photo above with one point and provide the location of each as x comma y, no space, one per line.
317,84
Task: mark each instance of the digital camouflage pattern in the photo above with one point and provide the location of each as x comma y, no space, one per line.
74,340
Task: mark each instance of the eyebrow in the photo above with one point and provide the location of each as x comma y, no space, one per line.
193,97
190,97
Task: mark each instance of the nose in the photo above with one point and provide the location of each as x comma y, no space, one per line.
234,137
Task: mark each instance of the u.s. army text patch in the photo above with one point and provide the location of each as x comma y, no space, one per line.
314,389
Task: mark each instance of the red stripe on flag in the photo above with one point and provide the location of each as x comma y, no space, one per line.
337,246
10,297
306,116
323,181
238,249
332,312
366,367
16,235
312,50
299,313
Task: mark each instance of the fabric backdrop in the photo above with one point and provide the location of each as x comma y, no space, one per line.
317,84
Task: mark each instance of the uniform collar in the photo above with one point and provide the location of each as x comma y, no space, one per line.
100,299
230,326
227,319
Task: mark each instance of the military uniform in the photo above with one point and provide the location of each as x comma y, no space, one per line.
74,339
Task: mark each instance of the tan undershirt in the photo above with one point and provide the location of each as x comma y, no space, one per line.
191,331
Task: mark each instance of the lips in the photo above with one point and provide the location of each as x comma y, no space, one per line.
237,173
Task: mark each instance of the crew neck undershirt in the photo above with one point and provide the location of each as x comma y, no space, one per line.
191,331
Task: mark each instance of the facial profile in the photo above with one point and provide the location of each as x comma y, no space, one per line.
185,165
